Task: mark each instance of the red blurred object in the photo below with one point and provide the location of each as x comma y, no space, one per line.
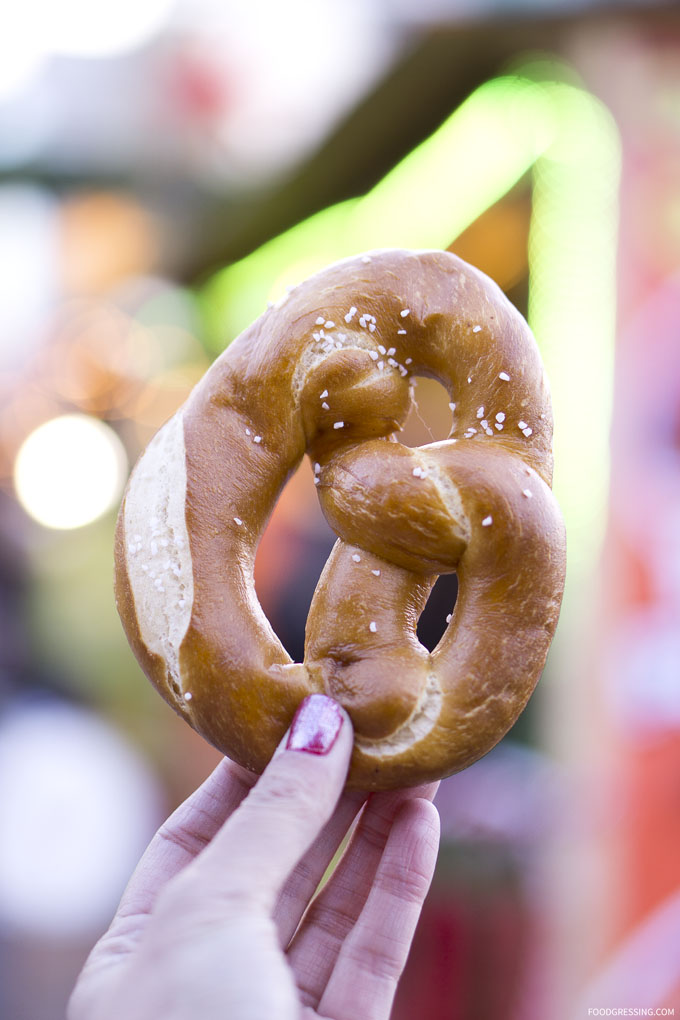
469,957
196,87
639,629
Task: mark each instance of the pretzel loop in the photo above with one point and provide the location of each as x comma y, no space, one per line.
327,372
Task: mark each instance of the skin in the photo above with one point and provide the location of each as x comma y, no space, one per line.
216,920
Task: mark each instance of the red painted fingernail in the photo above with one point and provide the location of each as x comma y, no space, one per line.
315,726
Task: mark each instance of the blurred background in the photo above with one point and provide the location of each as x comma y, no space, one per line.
166,168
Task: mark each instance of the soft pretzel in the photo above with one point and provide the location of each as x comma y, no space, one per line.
326,371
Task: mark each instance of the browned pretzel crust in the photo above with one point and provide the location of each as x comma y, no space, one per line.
326,371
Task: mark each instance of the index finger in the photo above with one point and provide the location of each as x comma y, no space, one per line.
250,858
185,833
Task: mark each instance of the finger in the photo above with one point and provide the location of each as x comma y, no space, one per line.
304,880
186,832
249,859
315,947
373,955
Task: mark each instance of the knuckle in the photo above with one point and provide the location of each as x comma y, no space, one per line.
183,836
285,791
335,920
407,876
410,885
383,957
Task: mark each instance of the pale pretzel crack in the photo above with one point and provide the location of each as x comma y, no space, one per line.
411,732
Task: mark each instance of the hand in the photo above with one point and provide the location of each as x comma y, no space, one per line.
220,919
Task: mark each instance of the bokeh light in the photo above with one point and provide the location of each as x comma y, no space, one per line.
79,28
70,471
78,806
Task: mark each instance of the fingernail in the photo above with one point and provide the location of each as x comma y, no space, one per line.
315,726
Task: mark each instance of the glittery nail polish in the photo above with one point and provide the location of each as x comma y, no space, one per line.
316,725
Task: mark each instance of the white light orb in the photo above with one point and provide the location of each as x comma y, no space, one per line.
70,471
79,28
77,807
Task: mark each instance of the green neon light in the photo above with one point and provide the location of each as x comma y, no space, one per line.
572,305
426,201
505,128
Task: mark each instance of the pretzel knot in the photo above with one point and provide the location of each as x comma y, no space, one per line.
327,371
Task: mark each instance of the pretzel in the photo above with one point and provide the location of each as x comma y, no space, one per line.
327,372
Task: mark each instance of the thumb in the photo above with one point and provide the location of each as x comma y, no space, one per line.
250,858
